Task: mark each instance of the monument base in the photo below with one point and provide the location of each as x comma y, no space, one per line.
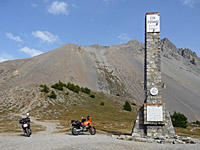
143,129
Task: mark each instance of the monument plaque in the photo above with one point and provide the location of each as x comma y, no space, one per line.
154,113
153,23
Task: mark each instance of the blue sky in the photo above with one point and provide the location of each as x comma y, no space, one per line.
32,27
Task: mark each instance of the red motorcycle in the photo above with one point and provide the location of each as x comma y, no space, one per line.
83,126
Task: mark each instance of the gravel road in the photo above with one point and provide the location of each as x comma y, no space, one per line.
49,140
66,141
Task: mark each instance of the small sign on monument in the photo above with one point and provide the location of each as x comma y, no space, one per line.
154,91
153,22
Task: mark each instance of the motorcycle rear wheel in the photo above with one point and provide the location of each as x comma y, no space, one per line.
92,131
74,131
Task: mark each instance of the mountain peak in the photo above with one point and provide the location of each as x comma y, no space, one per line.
169,50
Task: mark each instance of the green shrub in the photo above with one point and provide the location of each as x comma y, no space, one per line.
134,104
62,84
86,90
179,120
192,142
59,86
102,103
127,106
77,89
72,87
44,89
56,86
92,96
197,122
52,95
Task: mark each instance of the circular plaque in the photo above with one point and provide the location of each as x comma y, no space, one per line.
154,91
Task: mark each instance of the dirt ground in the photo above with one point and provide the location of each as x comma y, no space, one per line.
46,140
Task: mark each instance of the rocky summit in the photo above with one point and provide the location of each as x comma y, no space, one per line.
115,70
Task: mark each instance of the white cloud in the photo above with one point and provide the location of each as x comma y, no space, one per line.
15,38
58,8
45,36
124,37
5,57
190,3
2,59
30,52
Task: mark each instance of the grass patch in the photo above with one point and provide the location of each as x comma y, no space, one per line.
10,126
192,130
110,119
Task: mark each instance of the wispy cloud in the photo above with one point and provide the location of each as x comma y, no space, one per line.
124,37
45,1
92,19
58,8
30,52
74,5
2,59
34,5
190,3
111,1
5,57
45,36
15,38
107,1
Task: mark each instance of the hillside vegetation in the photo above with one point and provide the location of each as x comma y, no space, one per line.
69,105
107,111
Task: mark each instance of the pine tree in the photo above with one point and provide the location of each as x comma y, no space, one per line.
127,106
179,120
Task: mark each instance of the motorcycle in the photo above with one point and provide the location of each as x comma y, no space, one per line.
82,126
26,126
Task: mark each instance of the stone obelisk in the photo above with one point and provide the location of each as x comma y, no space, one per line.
152,119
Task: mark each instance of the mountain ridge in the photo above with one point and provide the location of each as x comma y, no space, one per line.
115,70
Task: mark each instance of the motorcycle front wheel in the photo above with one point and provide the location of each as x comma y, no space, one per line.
28,132
74,131
92,131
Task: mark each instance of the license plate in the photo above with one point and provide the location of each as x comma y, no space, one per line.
25,125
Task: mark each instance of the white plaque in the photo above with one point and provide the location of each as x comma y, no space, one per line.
153,22
154,91
154,113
